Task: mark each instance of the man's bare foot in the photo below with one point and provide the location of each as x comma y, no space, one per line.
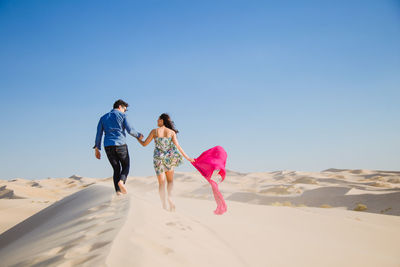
122,187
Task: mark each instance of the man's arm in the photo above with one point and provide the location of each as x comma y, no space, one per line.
130,129
99,135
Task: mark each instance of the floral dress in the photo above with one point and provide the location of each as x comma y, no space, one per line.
166,156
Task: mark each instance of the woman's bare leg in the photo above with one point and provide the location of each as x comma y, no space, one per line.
161,189
170,185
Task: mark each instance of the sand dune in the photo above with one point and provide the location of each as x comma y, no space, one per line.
283,218
77,230
21,198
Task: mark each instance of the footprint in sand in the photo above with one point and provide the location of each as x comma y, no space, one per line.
54,261
101,215
53,251
99,245
81,261
74,251
41,260
167,250
115,219
105,231
179,226
100,207
72,243
79,223
77,251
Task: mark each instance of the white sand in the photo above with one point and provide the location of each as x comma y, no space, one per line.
273,219
77,230
21,198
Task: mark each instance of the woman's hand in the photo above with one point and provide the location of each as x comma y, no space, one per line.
190,159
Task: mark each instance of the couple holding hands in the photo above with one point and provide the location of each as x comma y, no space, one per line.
166,152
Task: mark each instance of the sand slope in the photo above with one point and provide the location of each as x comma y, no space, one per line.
283,218
250,235
78,230
21,198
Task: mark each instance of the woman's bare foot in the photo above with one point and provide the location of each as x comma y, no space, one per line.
171,205
122,187
172,208
119,193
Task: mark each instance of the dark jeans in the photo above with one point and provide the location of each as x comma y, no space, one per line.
119,159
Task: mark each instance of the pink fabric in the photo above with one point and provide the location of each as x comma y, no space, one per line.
209,161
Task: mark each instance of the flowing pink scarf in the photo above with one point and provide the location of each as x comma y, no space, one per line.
209,161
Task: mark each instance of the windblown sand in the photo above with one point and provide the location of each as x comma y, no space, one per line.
284,218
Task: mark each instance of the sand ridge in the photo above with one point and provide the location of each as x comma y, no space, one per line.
77,230
21,198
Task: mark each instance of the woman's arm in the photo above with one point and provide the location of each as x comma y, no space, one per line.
175,141
148,139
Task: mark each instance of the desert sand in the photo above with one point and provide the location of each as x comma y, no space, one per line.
21,198
283,218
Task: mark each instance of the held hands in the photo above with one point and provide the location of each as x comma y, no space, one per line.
140,139
191,160
97,153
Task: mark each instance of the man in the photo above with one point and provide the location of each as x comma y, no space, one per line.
114,124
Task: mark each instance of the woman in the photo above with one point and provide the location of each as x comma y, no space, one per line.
166,156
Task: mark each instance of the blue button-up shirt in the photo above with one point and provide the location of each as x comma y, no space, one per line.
114,124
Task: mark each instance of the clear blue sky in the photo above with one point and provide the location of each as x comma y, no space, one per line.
299,85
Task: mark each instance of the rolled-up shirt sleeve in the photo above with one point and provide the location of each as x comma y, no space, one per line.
99,135
130,129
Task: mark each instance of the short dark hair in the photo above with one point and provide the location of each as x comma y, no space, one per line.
120,102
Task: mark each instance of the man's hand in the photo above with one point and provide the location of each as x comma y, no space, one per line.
97,153
141,137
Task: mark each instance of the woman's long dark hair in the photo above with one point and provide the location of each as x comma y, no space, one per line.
168,122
